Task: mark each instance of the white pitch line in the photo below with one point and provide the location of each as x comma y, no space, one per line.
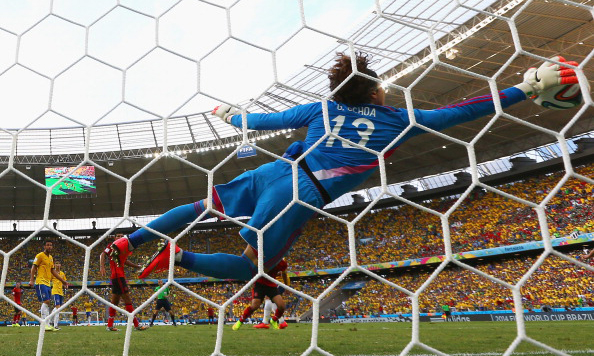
529,353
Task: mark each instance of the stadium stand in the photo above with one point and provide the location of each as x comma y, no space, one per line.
391,234
557,284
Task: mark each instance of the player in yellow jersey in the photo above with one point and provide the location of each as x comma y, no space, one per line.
88,305
41,274
185,315
57,293
24,319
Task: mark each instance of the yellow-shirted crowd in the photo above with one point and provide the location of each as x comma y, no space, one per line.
556,284
483,220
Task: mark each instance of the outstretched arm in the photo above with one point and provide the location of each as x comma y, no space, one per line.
469,110
548,75
293,118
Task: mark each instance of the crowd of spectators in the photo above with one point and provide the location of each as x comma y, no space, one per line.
557,283
483,220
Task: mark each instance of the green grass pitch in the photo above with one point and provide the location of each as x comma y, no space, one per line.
469,339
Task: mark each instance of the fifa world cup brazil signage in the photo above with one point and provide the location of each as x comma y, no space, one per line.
528,316
470,316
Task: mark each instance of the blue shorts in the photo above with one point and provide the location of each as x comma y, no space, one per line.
88,314
43,292
262,194
58,299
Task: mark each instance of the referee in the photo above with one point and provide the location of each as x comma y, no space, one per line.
162,303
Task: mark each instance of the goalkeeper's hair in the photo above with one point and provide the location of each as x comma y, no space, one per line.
358,89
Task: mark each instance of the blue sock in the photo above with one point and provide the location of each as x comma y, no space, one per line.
219,265
168,222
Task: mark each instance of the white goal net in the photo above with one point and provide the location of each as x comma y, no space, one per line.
127,42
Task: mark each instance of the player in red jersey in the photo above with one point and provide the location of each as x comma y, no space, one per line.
17,292
270,308
211,315
119,287
74,315
266,288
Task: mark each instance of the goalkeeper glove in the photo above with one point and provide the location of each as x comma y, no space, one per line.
548,75
224,112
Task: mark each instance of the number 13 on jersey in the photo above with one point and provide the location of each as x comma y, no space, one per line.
364,128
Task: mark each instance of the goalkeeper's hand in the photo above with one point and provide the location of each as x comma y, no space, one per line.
548,75
224,112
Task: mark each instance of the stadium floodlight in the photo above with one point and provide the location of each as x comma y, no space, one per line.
451,53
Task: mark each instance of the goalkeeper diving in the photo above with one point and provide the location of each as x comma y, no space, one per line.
332,167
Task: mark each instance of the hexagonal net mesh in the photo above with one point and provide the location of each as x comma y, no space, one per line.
401,64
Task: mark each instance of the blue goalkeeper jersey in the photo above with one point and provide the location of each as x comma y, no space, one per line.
341,167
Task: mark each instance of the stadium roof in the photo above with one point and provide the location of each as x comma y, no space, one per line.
482,45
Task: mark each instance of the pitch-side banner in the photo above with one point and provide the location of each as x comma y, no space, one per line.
468,317
388,319
535,316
